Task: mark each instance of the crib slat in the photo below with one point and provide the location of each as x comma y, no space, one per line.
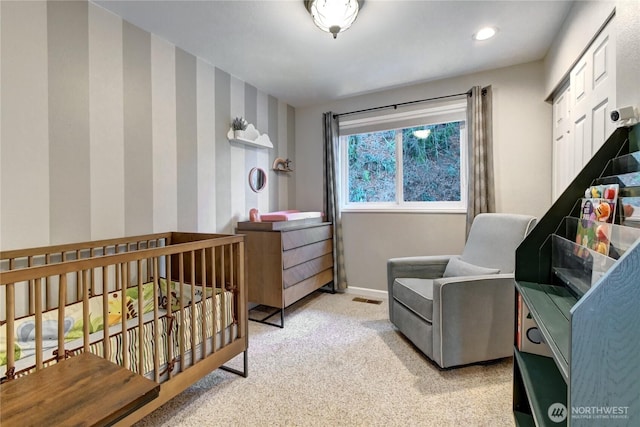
223,300
156,325
118,270
232,282
31,285
149,266
85,309
106,342
203,328
140,322
62,294
47,260
214,306
11,315
181,298
79,279
231,267
38,319
123,315
239,297
92,291
170,316
193,307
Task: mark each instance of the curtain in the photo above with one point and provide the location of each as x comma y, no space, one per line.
481,192
331,190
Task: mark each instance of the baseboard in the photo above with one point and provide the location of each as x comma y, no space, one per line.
366,292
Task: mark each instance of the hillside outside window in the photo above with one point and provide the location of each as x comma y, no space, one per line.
412,161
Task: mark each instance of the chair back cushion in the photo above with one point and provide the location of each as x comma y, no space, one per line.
493,240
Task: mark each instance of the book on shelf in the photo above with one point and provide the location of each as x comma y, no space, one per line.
597,212
528,337
630,210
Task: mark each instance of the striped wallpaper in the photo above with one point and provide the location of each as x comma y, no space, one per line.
107,130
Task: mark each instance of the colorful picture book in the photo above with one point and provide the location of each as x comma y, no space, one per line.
597,212
630,210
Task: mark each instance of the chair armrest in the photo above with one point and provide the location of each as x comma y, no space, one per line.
473,318
419,267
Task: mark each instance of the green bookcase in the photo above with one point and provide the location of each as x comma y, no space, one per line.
591,323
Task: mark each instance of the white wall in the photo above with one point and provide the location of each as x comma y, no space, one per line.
582,24
522,130
628,53
580,27
24,118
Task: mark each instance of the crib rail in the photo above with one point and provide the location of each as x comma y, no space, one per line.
45,255
73,251
189,265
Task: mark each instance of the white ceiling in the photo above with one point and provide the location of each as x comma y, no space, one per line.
274,45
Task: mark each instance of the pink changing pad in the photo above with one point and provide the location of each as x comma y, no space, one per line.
288,215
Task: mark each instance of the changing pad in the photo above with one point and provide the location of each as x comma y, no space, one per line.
288,215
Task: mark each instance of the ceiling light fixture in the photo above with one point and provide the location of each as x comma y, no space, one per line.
422,133
333,16
485,33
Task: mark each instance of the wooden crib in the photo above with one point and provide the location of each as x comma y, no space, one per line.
179,297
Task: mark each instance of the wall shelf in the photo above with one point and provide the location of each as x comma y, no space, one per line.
250,137
281,165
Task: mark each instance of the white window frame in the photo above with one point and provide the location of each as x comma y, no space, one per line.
451,112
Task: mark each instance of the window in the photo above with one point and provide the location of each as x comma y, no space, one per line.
406,161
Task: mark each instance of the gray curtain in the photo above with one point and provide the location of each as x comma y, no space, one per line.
331,190
481,191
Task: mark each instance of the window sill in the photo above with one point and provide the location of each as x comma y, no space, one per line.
404,210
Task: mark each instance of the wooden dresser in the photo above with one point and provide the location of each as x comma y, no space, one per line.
287,260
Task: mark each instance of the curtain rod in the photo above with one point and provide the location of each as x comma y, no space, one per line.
395,106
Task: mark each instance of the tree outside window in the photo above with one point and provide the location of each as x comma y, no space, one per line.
417,167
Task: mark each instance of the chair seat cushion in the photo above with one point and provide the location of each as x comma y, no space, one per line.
459,268
416,295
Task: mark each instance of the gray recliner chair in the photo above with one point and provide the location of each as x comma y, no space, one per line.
459,309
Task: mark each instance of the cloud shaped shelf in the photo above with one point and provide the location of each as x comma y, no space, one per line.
250,136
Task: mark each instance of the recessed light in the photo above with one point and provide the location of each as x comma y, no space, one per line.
485,33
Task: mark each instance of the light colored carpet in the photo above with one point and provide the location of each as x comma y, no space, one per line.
339,362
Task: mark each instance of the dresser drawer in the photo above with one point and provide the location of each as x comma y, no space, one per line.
302,254
303,271
296,238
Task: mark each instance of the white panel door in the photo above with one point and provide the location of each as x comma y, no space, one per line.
581,122
563,157
593,90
